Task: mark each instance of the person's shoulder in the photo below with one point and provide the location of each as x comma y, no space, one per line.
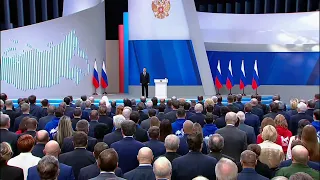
64,166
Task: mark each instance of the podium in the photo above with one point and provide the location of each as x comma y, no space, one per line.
161,88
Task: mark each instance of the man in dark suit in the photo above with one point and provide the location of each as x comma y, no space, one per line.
108,163
221,121
273,110
261,105
44,120
248,161
194,163
34,109
93,170
52,149
216,144
31,125
82,126
172,115
140,134
143,116
104,118
161,109
79,157
116,135
235,140
93,106
6,135
42,138
94,116
144,81
198,117
10,112
256,110
171,144
68,110
311,106
144,170
128,147
239,104
187,107
251,135
230,105
168,106
87,110
44,106
154,144
77,113
302,108
251,119
145,124
25,109
48,168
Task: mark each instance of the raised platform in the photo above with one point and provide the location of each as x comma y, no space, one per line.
266,99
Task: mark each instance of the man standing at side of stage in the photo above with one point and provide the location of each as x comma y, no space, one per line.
144,81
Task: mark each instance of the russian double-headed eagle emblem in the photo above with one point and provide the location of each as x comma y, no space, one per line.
161,8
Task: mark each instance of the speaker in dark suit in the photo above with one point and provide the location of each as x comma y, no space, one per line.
79,157
194,163
6,135
235,140
128,147
144,81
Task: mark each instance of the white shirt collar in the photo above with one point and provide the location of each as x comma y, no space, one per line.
230,124
4,128
127,136
144,164
105,172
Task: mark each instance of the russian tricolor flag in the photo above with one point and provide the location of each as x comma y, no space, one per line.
218,78
242,76
104,77
229,82
255,77
95,78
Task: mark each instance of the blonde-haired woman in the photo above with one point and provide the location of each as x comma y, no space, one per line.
208,102
64,129
283,131
8,172
271,153
293,107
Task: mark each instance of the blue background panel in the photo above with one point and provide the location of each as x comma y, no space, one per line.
172,59
275,68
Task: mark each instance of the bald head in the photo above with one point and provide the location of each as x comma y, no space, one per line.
187,127
226,169
52,148
42,137
300,154
145,156
254,102
231,118
248,159
171,143
162,168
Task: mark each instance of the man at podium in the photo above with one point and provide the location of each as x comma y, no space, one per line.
144,81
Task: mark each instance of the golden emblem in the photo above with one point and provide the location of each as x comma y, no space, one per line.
161,8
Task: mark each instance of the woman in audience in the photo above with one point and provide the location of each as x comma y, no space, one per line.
197,129
271,153
64,129
165,129
23,125
8,172
301,124
208,102
261,168
293,107
283,131
309,138
267,121
119,110
154,121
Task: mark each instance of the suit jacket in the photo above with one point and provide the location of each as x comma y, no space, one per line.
38,150
189,114
171,156
257,111
44,111
198,118
36,111
77,159
184,147
92,125
253,121
145,124
106,120
168,109
143,116
160,116
127,150
86,114
271,115
44,120
19,119
141,135
221,122
219,155
171,116
10,172
74,122
144,79
192,165
141,172
67,145
156,146
69,111
233,108
264,108
216,110
66,173
249,173
113,137
13,115
251,136
293,126
9,137
104,176
32,133
94,107
235,141
93,170
240,105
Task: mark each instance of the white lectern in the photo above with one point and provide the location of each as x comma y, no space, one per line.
161,88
